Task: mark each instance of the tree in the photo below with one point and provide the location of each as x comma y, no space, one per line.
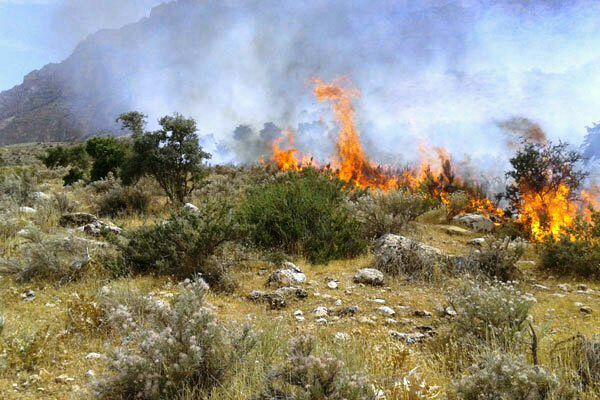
108,156
172,154
542,169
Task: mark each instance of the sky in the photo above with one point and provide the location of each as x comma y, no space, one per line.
34,33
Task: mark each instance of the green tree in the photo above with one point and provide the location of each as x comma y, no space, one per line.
108,156
172,155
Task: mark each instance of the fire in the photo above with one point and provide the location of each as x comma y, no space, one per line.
286,159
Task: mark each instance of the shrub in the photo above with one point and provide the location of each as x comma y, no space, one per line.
457,202
176,348
582,356
184,245
577,252
18,185
503,376
305,376
493,312
55,260
497,259
108,155
124,200
66,156
302,213
74,175
388,212
25,351
400,256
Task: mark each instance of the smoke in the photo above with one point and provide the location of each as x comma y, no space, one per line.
432,72
520,128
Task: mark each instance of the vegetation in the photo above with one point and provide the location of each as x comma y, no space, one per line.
497,259
303,214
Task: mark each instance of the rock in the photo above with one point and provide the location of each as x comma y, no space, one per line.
98,227
369,276
257,295
299,315
320,312
385,310
27,210
332,285
288,292
564,287
391,321
63,379
28,295
93,356
347,311
338,303
585,310
189,207
454,230
582,287
477,242
341,337
408,338
40,196
478,222
540,287
366,320
450,312
77,219
378,301
287,276
422,314
321,321
391,253
90,374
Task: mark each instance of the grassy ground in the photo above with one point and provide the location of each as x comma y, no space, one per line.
49,340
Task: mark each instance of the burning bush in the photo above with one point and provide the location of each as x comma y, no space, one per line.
303,213
545,183
576,252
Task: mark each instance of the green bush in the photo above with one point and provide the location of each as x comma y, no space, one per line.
457,202
174,349
124,200
304,214
305,376
108,155
74,175
184,245
575,253
388,212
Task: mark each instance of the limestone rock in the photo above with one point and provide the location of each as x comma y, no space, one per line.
369,276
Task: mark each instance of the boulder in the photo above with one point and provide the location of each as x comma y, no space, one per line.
77,219
408,338
288,276
40,196
478,222
399,255
369,276
478,242
97,227
189,207
27,210
455,230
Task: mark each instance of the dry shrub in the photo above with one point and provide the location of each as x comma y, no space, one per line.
457,202
497,259
124,200
304,376
508,377
176,348
388,212
23,351
580,358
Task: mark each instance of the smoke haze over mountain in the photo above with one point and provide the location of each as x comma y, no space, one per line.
441,73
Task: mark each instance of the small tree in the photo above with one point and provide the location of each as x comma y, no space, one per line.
108,155
172,154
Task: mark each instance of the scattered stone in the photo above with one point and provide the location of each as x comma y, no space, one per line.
321,321
477,242
564,287
189,207
77,219
28,295
366,320
585,310
98,227
391,253
90,374
450,312
257,295
369,276
93,356
378,301
426,329
582,287
559,295
422,313
478,222
332,285
455,230
40,196
391,321
299,315
63,379
287,276
288,292
338,303
408,338
385,310
347,311
320,312
27,210
541,287
341,337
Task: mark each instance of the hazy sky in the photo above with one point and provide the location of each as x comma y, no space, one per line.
36,32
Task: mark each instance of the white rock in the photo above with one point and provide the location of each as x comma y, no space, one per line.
378,301
332,285
27,210
479,222
369,276
90,374
190,208
287,276
40,196
321,321
341,337
93,356
385,310
320,312
564,287
338,302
